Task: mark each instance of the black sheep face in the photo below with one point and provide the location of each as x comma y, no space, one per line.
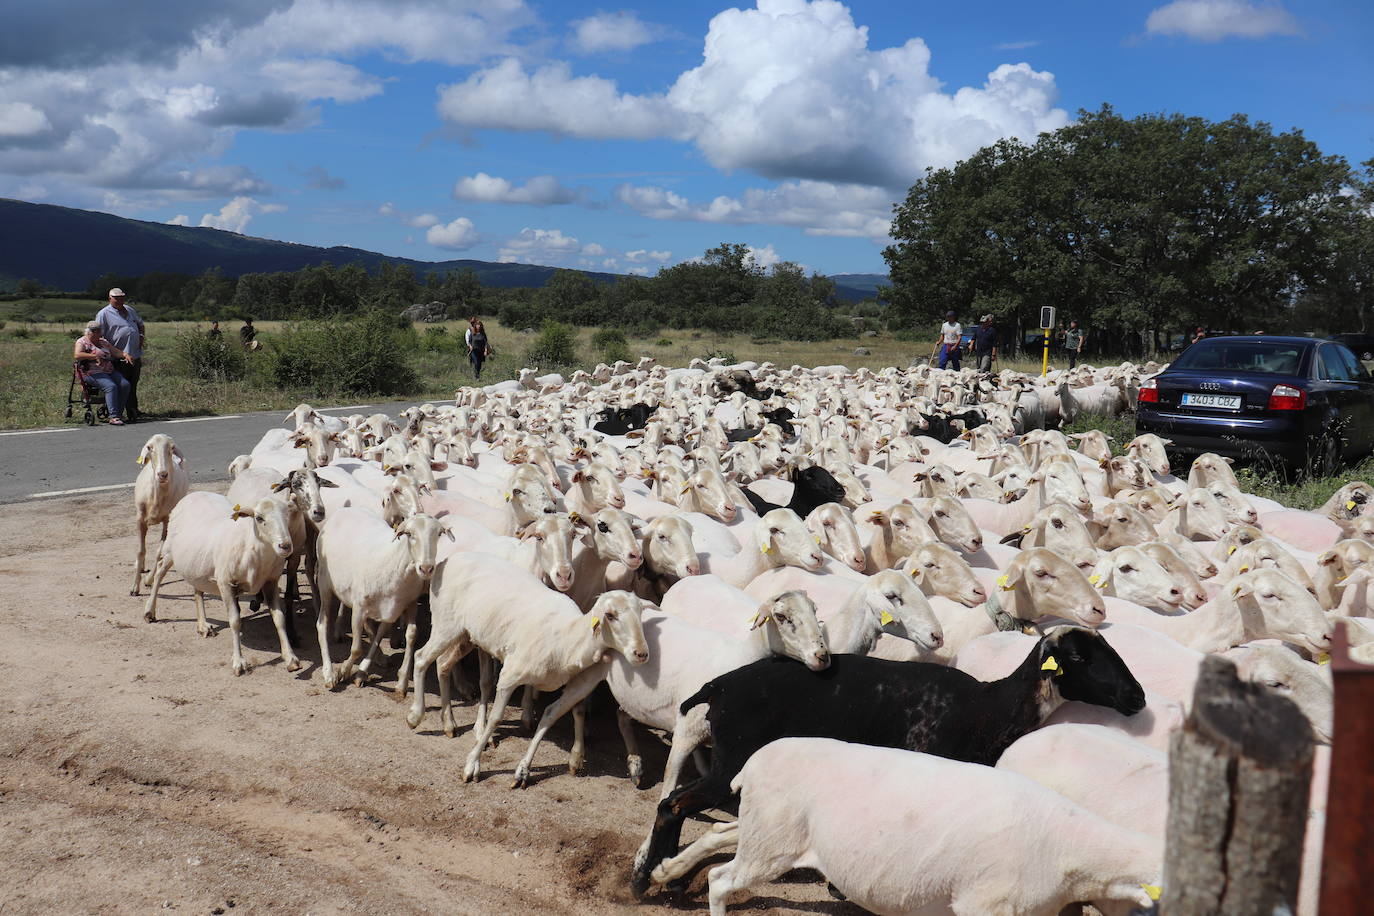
1087,669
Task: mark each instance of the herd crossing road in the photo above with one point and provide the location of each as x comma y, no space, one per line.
75,459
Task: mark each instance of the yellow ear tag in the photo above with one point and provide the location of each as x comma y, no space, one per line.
507,497
816,538
1230,550
139,460
1094,579
1050,664
1153,891
766,548
1350,504
1245,568
1004,582
885,618
595,622
1324,658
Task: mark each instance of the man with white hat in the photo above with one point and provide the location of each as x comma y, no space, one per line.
984,344
123,327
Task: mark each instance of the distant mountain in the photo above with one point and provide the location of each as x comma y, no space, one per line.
66,248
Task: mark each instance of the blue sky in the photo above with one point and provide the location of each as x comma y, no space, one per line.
609,137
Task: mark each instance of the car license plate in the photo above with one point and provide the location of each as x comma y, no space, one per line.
1223,401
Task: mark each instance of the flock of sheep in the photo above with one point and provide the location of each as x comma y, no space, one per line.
755,570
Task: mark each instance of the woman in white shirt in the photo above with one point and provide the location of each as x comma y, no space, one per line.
947,344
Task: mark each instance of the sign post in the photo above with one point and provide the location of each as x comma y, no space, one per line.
1046,323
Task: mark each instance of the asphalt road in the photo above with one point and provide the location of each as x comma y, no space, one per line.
74,459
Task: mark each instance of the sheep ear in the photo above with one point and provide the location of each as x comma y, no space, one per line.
448,532
326,482
578,476
1327,558
280,485
239,512
438,465
1241,590
142,456
526,531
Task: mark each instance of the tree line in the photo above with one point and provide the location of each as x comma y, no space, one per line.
725,290
1142,228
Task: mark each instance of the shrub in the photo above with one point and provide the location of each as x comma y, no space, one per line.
364,356
661,342
208,359
612,346
438,340
727,355
1121,429
555,348
22,332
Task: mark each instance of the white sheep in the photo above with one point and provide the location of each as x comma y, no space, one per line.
848,810
540,637
220,547
378,571
159,487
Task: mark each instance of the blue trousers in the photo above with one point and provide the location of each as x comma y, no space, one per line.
949,353
116,388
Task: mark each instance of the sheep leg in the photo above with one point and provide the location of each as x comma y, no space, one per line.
292,595
365,669
708,792
633,762
231,603
447,663
527,708
719,838
573,693
686,742
356,650
142,552
465,688
403,679
280,621
322,610
163,565
737,876
504,691
577,758
484,681
202,625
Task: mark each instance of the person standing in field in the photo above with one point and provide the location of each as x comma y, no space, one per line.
1073,342
984,344
215,333
247,333
479,347
947,344
121,325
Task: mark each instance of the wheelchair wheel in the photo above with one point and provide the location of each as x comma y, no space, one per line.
69,411
90,417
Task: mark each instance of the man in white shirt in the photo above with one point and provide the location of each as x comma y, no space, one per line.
947,344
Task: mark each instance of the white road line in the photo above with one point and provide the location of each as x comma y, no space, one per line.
113,486
232,416
353,407
34,432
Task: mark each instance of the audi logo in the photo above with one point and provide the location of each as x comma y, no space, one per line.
1210,386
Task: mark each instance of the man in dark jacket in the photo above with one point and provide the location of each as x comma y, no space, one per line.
984,344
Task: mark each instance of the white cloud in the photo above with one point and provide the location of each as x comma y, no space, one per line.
539,246
593,250
458,235
1214,20
181,219
417,220
641,255
540,191
818,207
20,119
621,31
1017,45
764,257
788,90
235,215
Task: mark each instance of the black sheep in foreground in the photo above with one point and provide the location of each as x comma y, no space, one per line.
811,487
911,705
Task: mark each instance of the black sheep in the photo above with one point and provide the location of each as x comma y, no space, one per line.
811,487
911,705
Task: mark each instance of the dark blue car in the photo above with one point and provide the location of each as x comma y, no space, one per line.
1309,403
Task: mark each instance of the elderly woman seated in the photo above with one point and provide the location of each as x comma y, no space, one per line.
95,356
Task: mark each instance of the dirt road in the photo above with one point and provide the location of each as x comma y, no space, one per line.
137,775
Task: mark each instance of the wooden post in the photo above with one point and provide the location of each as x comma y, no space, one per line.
1348,851
1239,771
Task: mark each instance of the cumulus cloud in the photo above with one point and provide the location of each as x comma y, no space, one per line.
788,90
1214,20
818,207
319,179
99,99
20,119
603,32
417,220
181,219
538,246
235,215
541,191
458,235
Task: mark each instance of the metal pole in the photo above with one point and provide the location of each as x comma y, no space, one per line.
1045,362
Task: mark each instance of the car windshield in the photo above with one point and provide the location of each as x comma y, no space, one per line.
1273,357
